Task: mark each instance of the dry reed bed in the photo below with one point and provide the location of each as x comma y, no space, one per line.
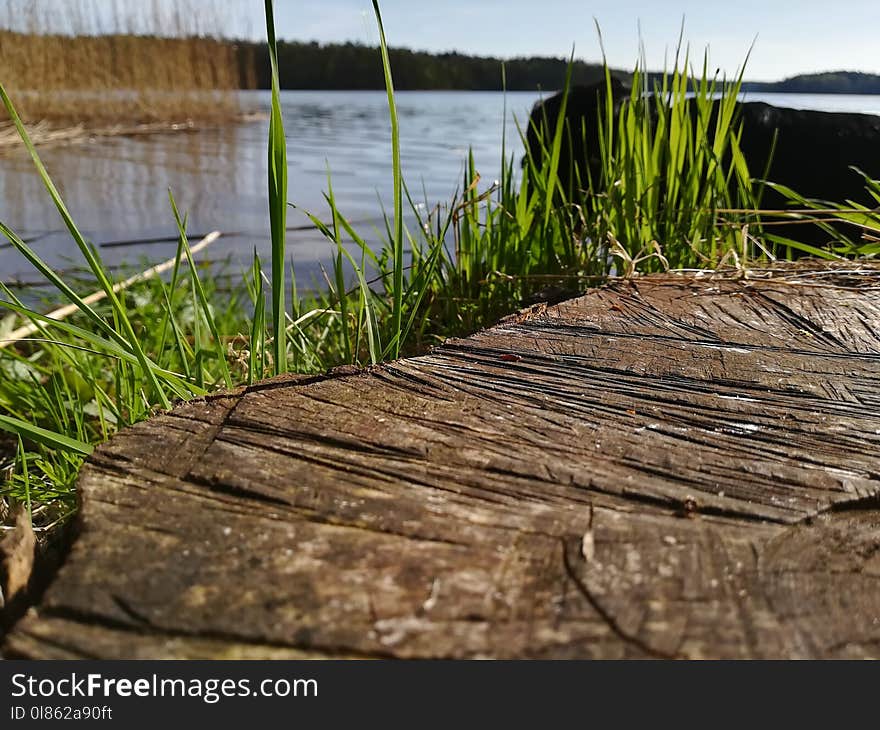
76,63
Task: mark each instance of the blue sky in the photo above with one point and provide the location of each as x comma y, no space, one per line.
792,37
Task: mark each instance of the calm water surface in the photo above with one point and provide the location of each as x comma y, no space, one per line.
117,188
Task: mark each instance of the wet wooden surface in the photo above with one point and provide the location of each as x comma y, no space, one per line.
681,466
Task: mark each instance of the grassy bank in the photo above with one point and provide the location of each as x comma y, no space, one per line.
75,62
75,382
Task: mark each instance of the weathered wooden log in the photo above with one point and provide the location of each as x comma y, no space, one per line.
677,466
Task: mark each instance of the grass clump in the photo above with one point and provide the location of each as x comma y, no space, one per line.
72,385
667,186
673,190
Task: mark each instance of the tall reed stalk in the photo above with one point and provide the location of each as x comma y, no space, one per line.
277,201
397,240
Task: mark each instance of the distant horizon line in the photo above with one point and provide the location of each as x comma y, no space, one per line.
512,58
524,57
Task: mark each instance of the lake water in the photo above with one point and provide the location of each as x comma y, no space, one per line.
117,188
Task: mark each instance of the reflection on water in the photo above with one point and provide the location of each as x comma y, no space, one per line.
117,188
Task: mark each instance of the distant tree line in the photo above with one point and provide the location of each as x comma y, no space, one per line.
831,82
356,66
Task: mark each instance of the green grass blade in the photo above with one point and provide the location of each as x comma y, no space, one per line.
43,436
200,294
277,201
397,241
258,325
23,461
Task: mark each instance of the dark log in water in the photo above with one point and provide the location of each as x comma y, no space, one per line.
676,466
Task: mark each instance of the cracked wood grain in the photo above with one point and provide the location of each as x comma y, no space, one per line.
675,466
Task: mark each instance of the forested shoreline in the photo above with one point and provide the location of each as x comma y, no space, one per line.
333,66
831,82
354,66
